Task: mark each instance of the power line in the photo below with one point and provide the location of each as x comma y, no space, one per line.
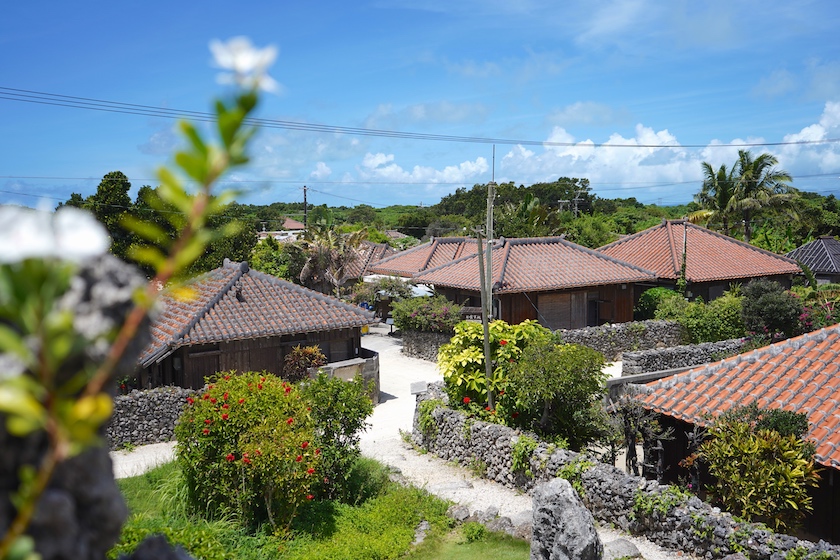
101,105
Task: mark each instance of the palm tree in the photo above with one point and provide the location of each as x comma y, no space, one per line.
714,197
758,186
329,255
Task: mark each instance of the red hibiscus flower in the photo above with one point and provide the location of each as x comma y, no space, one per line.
224,416
246,460
299,458
208,421
241,401
205,431
503,342
304,445
309,496
467,400
225,397
289,421
230,457
310,471
190,401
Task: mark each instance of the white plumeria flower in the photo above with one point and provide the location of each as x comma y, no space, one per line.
248,63
69,234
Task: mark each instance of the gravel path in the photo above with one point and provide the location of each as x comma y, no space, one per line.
383,441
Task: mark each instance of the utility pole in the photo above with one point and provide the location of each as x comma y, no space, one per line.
304,207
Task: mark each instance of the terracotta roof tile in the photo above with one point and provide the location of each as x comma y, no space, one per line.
536,264
710,256
234,303
368,253
790,375
428,255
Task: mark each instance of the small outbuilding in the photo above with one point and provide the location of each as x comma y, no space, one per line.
822,257
235,318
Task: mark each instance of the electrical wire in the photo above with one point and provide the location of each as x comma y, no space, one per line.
45,98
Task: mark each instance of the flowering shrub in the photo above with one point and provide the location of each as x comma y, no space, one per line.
246,448
300,359
339,409
462,360
426,314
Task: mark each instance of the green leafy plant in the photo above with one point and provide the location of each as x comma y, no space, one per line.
661,503
340,410
560,386
247,449
461,361
426,314
428,425
650,301
300,360
573,472
770,310
521,452
760,473
473,531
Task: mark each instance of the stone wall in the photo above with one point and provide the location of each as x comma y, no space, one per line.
672,519
149,416
613,340
679,356
423,345
366,365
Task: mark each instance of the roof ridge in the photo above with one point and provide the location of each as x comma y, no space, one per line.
242,268
505,259
274,280
402,253
743,243
672,244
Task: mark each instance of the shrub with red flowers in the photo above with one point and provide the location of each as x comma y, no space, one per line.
245,450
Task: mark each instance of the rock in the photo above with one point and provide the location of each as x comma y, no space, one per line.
500,525
563,528
421,531
157,547
490,514
620,548
458,512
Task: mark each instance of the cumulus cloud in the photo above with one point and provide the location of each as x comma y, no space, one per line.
383,167
322,171
161,143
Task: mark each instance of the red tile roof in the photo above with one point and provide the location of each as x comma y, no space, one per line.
710,255
423,257
801,374
290,223
369,254
235,303
536,264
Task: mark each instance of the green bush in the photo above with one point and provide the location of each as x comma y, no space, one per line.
461,362
650,300
720,319
426,314
761,475
770,310
558,387
298,362
246,450
339,409
388,287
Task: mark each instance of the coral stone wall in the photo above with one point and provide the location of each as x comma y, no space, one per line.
679,356
423,345
675,520
613,340
149,416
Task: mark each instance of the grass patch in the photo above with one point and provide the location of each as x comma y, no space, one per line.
456,546
379,524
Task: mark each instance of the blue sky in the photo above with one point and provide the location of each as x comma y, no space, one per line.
692,77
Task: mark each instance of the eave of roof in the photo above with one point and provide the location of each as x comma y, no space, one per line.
801,374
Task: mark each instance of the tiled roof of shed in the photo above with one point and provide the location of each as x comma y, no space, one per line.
822,255
423,257
537,264
234,302
369,254
801,374
710,255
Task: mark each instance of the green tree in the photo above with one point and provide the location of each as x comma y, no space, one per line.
109,204
75,200
236,245
283,260
329,254
715,197
564,383
529,218
590,230
363,214
769,310
759,186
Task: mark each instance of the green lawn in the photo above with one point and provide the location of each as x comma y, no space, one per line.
381,527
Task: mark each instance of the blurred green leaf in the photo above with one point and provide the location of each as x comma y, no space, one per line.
145,229
12,343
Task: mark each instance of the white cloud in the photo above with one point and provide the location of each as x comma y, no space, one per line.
777,83
613,19
382,167
322,171
586,113
372,161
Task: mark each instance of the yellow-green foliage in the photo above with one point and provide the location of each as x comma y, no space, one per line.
761,475
462,360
